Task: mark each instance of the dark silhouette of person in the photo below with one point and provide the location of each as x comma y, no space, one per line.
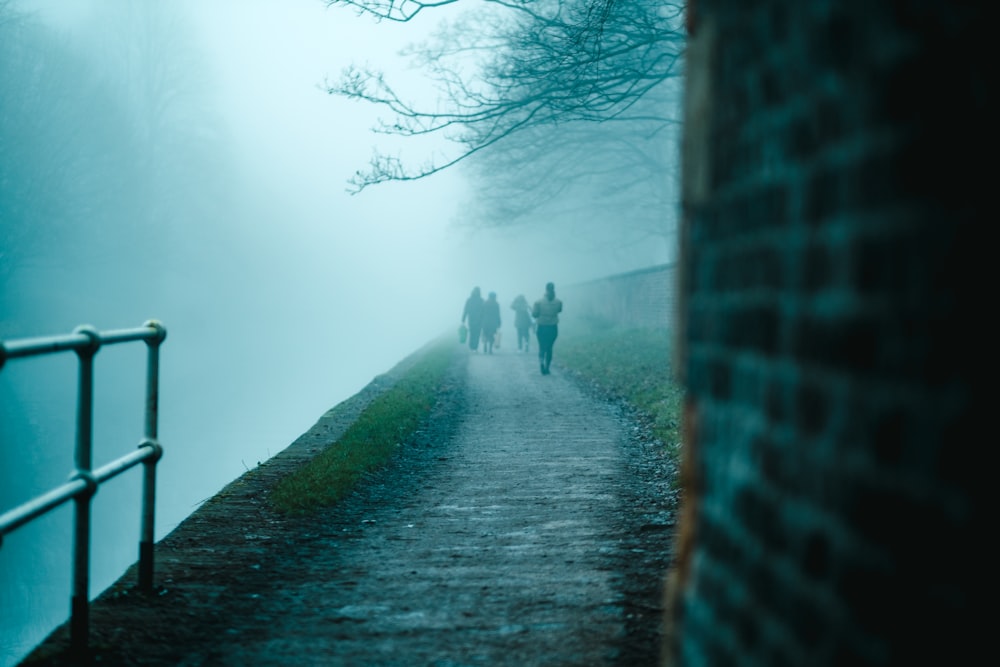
522,322
473,315
491,322
546,313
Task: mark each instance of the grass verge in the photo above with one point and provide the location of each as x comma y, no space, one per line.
633,365
370,442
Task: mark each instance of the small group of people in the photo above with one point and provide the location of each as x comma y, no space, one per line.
482,316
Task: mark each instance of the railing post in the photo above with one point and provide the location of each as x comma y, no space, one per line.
147,533
79,605
85,480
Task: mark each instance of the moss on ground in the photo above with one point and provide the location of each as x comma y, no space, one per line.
370,442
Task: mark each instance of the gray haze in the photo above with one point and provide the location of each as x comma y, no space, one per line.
178,161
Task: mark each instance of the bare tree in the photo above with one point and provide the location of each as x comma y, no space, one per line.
55,118
536,64
104,147
146,55
619,172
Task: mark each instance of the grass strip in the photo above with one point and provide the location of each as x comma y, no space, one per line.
634,365
370,442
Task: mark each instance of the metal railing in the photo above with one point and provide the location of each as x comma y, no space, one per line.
84,481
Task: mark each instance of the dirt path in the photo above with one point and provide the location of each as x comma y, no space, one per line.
529,524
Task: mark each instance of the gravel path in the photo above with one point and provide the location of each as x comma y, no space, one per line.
528,524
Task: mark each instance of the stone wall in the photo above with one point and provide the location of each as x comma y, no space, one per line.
832,346
645,298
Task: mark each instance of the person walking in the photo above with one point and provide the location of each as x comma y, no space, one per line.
491,322
473,315
546,313
522,321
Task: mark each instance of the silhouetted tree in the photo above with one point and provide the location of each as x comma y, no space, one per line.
54,151
516,68
147,56
623,173
107,148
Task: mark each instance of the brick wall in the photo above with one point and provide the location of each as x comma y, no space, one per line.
832,341
645,298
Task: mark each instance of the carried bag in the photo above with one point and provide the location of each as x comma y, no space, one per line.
496,343
463,332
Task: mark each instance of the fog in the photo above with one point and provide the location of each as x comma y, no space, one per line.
179,161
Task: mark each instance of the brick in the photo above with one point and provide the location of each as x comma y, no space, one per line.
832,344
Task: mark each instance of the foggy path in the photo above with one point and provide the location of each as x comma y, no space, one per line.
518,528
160,163
499,551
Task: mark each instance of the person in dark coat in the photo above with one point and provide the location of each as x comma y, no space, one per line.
473,315
546,313
491,322
522,322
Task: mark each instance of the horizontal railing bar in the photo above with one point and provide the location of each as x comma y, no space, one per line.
17,517
125,335
26,347
118,466
86,481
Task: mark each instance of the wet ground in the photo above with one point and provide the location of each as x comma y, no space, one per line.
529,523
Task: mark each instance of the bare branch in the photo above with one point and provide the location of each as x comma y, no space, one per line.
541,63
390,10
